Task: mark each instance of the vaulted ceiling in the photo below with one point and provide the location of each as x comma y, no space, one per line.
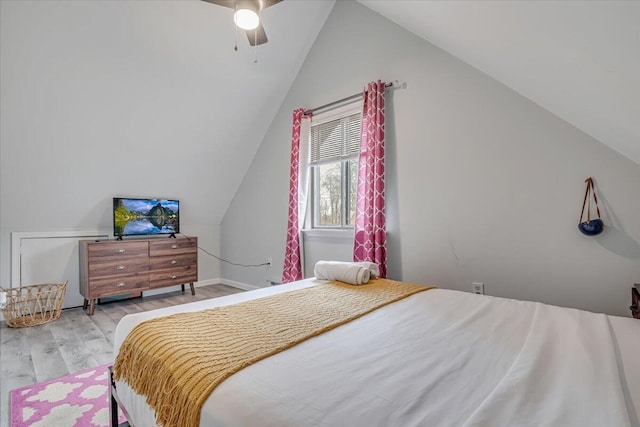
578,59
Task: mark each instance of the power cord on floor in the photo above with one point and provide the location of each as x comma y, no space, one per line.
224,260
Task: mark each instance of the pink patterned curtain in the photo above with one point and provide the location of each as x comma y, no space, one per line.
370,227
292,257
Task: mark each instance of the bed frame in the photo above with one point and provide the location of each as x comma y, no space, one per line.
625,339
114,403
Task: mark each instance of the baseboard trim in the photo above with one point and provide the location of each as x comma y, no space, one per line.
238,285
175,288
208,282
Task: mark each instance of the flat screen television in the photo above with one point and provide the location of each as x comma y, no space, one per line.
139,217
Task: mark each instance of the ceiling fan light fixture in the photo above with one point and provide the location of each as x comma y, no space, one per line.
246,19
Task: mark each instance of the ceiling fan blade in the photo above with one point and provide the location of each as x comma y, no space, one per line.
257,36
231,4
225,3
266,3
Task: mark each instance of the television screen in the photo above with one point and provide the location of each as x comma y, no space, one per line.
133,217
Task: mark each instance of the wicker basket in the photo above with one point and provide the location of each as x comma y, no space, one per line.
33,305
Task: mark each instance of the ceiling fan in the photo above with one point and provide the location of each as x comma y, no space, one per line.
246,16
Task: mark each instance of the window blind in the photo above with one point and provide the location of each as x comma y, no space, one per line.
336,140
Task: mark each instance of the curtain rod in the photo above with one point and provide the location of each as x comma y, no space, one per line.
340,101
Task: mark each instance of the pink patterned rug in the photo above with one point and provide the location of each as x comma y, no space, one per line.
79,399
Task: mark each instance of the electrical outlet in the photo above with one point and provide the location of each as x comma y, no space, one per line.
270,261
478,288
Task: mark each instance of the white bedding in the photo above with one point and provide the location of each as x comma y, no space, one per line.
437,358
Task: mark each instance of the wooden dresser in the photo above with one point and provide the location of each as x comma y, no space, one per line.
114,267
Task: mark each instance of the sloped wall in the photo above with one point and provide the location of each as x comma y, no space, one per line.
482,184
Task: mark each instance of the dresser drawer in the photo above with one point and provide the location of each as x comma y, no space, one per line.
179,276
120,266
117,249
166,247
119,285
173,261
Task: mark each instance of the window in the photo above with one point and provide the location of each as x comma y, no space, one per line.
335,146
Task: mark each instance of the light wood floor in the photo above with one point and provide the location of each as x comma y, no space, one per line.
75,341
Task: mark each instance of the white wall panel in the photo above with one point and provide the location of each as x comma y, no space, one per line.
50,258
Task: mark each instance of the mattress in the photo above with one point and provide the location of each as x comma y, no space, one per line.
439,357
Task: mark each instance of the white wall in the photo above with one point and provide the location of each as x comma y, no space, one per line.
482,184
91,108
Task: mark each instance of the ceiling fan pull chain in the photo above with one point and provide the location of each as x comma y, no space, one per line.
235,9
255,46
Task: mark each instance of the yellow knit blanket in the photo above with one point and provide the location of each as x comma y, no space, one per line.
178,360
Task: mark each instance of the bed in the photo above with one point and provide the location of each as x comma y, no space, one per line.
436,358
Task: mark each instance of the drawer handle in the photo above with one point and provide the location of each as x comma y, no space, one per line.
174,246
173,261
174,277
121,284
121,251
120,267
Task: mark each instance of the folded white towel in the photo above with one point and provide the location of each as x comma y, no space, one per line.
347,272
